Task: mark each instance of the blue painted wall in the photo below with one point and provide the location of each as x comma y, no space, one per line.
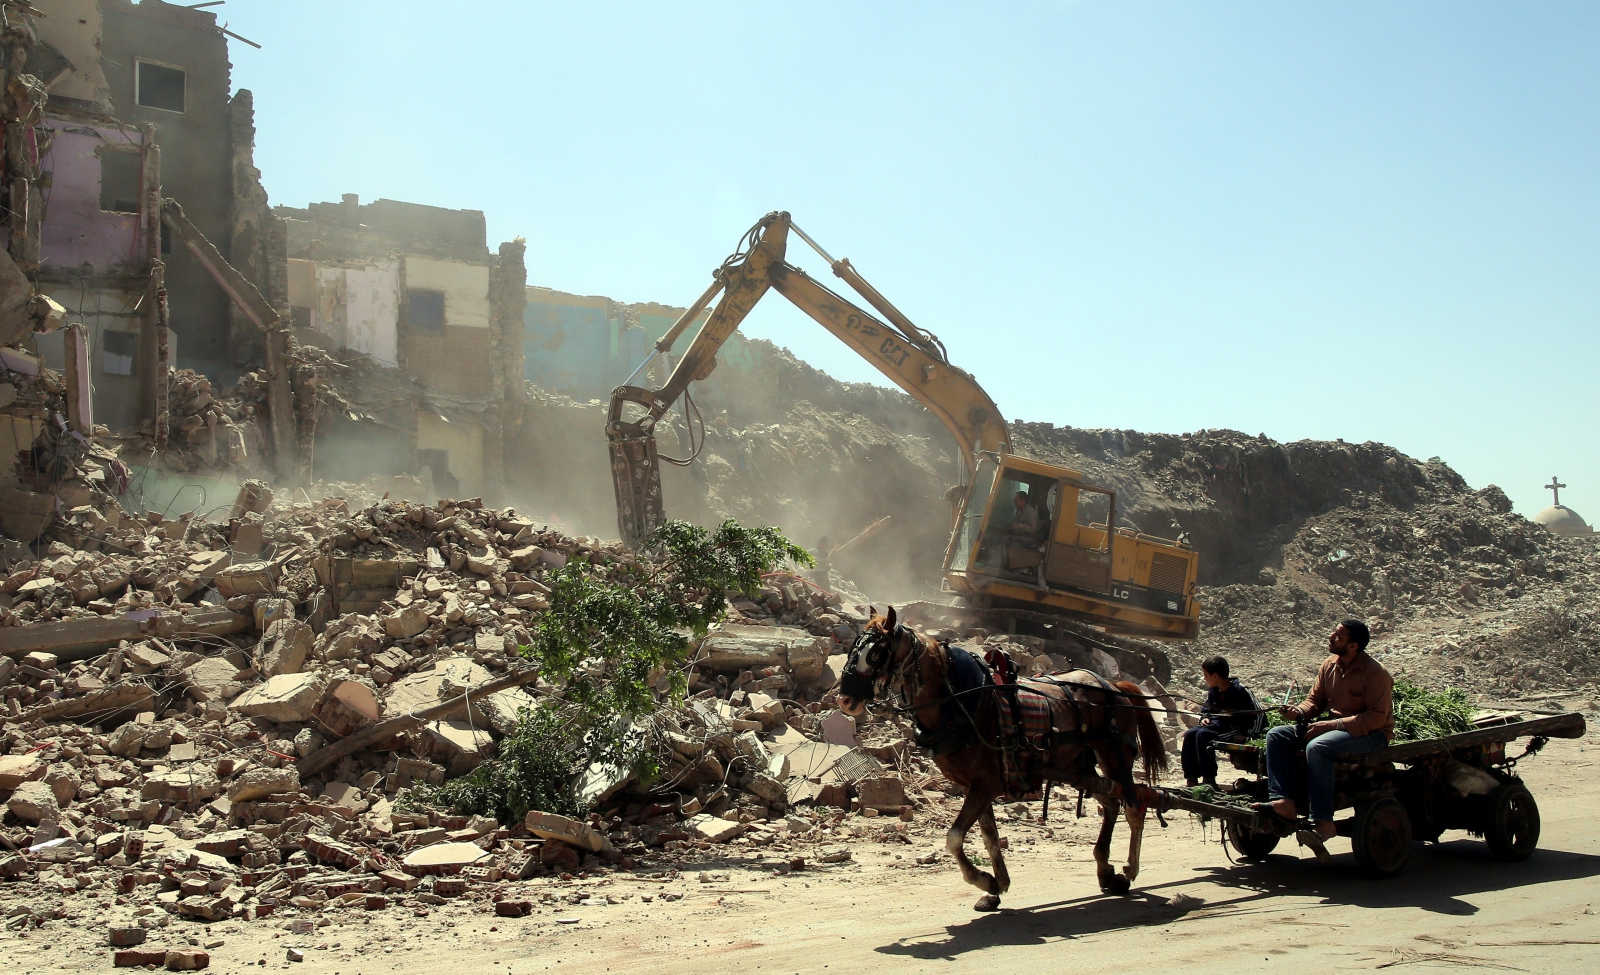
581,347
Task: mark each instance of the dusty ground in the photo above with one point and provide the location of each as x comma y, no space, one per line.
1453,908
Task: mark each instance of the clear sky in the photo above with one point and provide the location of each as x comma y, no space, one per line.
1374,221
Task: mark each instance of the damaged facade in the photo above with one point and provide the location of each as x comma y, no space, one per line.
130,173
413,289
140,111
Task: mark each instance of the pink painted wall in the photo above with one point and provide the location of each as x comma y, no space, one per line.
75,230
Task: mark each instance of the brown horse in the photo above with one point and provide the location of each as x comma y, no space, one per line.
1095,722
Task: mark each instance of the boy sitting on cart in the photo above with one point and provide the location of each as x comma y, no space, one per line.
1229,714
1357,695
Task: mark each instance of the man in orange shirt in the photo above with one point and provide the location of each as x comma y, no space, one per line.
1357,695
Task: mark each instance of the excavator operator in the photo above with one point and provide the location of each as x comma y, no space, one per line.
1025,518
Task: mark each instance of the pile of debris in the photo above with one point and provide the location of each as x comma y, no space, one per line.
214,429
56,477
207,429
1459,589
226,719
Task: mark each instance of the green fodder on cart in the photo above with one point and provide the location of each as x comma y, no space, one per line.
1420,713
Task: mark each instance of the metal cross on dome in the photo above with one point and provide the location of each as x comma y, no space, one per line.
1555,486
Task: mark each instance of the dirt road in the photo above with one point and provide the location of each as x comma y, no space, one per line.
1454,907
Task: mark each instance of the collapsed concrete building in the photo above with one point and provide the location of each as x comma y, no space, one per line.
413,289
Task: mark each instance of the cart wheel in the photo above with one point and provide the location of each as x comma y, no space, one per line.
1249,844
1513,828
1380,837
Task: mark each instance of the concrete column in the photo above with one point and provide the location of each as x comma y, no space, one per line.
151,362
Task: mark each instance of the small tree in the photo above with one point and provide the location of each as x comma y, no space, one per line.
600,642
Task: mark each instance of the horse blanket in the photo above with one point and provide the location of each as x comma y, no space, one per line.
1025,723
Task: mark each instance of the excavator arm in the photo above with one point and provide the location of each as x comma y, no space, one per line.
910,357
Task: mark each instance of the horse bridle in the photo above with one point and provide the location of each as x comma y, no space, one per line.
876,649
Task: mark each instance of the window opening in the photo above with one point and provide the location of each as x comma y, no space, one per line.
162,86
972,515
119,181
425,309
117,352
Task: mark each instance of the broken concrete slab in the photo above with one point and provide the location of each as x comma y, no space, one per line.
345,796
34,802
406,622
180,786
839,728
283,648
285,698
464,745
246,579
17,769
360,697
443,858
711,828
146,655
269,611
884,793
212,679
734,648
423,690
259,782
551,826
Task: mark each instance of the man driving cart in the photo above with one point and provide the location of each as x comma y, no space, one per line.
1353,698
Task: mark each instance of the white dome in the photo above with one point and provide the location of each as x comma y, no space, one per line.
1562,520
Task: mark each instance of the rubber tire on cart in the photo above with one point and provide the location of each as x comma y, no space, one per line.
1249,844
1512,829
1380,837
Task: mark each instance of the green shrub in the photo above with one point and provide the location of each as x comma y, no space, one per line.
599,644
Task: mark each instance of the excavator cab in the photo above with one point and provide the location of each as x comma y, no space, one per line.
1062,559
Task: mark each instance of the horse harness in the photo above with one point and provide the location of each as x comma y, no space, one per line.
957,726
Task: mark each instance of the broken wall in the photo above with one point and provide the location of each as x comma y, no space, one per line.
257,247
584,346
72,28
354,306
79,230
452,355
113,318
196,156
352,230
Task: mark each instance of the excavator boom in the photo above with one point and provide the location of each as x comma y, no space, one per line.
1072,566
911,358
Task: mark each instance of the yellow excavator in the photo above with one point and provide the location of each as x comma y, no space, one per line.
1026,537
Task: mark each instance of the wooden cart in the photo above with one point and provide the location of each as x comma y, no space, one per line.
1411,790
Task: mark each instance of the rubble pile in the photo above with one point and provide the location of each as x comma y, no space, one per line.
169,698
59,480
1458,588
207,429
212,429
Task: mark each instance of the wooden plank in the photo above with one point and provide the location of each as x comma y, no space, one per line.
1213,810
1554,726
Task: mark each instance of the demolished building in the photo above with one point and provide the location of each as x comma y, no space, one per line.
413,289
